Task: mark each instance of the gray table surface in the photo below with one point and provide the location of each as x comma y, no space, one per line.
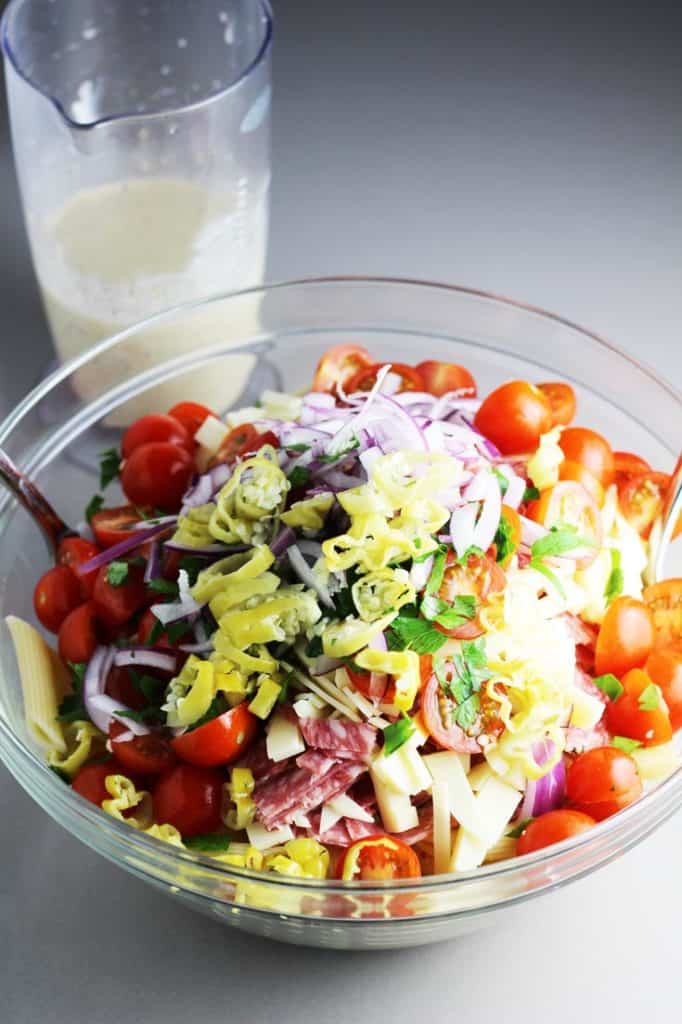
534,153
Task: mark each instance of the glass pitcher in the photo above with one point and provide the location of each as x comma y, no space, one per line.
141,134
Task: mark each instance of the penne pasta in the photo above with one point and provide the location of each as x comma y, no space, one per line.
44,681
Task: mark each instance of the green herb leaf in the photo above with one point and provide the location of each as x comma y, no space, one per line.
435,580
217,707
649,699
559,541
519,829
176,630
208,844
609,685
314,648
410,633
300,448
504,541
109,465
472,670
155,632
142,715
545,571
151,688
466,713
502,480
93,506
616,581
398,733
355,443
472,552
625,744
192,566
531,494
72,708
450,616
117,573
299,476
162,586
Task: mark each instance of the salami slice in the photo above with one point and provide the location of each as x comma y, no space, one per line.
337,835
317,762
298,792
262,768
358,830
339,734
421,831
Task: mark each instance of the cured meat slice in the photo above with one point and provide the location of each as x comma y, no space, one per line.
339,734
262,768
317,762
298,792
361,829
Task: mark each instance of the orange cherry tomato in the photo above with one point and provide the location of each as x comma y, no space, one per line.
440,378
626,716
664,667
514,417
79,634
220,741
365,378
641,499
552,827
591,450
602,781
150,754
626,637
378,859
56,595
562,399
627,464
569,502
575,471
154,428
338,365
665,603
191,415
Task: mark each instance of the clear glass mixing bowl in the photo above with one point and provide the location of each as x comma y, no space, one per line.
272,337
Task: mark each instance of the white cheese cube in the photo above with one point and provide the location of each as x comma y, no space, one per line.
283,739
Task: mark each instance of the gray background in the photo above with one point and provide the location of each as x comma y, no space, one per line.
533,152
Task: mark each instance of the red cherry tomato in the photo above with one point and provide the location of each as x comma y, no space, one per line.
220,741
664,600
602,781
561,398
641,499
365,378
75,551
338,365
89,781
78,636
626,637
626,716
569,502
436,713
121,688
115,605
591,450
155,428
157,474
439,378
378,859
189,798
244,440
361,681
112,525
552,828
627,464
191,415
514,417
578,474
664,667
481,576
143,755
56,595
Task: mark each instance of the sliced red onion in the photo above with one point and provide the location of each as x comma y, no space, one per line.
531,531
105,708
146,657
146,524
153,567
184,608
378,683
369,457
284,539
489,518
339,481
206,550
199,648
454,401
306,575
312,548
462,526
420,572
547,793
122,548
199,494
323,665
516,489
99,706
219,475
378,643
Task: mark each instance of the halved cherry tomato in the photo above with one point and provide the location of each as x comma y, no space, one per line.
552,827
157,474
626,637
155,428
74,551
569,503
338,365
112,525
361,681
220,741
626,717
56,594
514,417
481,576
244,440
148,623
602,781
664,667
115,605
120,687
89,781
365,378
591,450
641,499
665,602
191,415
78,636
440,378
189,798
575,471
150,754
561,397
378,859
627,464
436,713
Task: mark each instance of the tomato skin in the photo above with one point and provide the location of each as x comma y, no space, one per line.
56,595
378,859
591,450
602,781
664,667
338,365
440,378
665,603
155,428
150,754
158,474
628,464
481,576
626,637
79,634
115,605
189,798
112,525
514,417
74,551
447,736
625,717
569,502
365,378
562,400
244,440
89,780
191,415
580,475
552,827
120,687
220,741
641,498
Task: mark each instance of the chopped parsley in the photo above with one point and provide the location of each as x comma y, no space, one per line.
531,494
408,632
504,540
471,552
142,716
192,566
435,580
173,630
93,506
355,443
151,688
519,829
616,580
649,699
162,586
471,670
314,648
299,476
559,541
450,616
625,744
209,843
609,685
117,573
398,733
109,465
502,480
300,448
72,708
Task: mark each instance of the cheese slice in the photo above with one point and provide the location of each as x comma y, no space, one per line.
263,839
396,810
283,739
495,805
